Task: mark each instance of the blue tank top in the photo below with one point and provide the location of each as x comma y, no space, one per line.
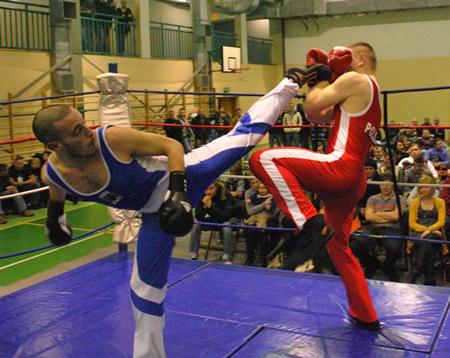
138,184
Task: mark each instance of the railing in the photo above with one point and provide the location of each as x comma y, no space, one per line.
220,39
171,41
259,50
107,35
24,26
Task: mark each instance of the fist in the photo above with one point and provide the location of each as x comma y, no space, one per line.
175,215
316,55
340,60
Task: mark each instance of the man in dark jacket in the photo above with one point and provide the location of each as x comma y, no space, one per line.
201,134
172,131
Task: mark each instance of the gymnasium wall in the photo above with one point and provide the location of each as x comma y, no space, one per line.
20,68
412,48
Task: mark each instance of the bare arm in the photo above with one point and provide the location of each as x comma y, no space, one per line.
55,193
129,143
320,101
372,216
390,216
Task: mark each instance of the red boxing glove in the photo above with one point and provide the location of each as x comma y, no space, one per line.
340,60
316,55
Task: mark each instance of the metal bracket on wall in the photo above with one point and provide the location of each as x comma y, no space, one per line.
305,25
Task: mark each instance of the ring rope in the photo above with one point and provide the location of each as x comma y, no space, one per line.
231,176
268,228
53,245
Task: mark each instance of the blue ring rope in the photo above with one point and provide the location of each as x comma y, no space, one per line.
53,245
404,90
267,228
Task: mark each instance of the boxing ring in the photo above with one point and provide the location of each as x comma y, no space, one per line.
215,310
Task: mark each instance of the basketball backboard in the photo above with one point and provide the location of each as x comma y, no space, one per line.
231,59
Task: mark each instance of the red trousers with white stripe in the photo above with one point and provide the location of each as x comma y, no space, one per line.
340,182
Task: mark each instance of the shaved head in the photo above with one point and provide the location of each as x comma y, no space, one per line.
367,49
44,122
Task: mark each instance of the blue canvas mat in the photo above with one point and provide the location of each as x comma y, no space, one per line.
220,311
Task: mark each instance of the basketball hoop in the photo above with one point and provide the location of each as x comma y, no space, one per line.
238,70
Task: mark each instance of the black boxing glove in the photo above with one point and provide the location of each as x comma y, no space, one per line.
317,73
57,229
298,75
311,75
175,213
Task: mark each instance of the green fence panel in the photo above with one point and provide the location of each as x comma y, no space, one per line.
220,39
171,41
24,26
259,50
108,35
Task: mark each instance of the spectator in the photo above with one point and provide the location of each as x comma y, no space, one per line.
216,207
276,134
292,118
379,157
318,135
426,122
382,218
320,148
187,132
415,123
408,135
445,194
305,132
6,189
400,151
426,220
393,131
437,132
262,208
35,168
413,174
43,157
426,141
438,155
221,118
124,23
105,12
253,190
414,152
236,116
236,187
201,134
87,10
370,167
172,131
22,179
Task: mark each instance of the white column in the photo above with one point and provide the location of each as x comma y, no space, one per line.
144,28
243,28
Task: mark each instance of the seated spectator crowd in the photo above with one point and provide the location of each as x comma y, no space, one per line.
22,176
419,157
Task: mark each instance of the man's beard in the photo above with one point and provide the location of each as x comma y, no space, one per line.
75,153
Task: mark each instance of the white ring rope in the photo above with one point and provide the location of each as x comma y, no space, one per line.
368,182
23,193
230,176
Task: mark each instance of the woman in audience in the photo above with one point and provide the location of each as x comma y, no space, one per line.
216,206
261,208
426,220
